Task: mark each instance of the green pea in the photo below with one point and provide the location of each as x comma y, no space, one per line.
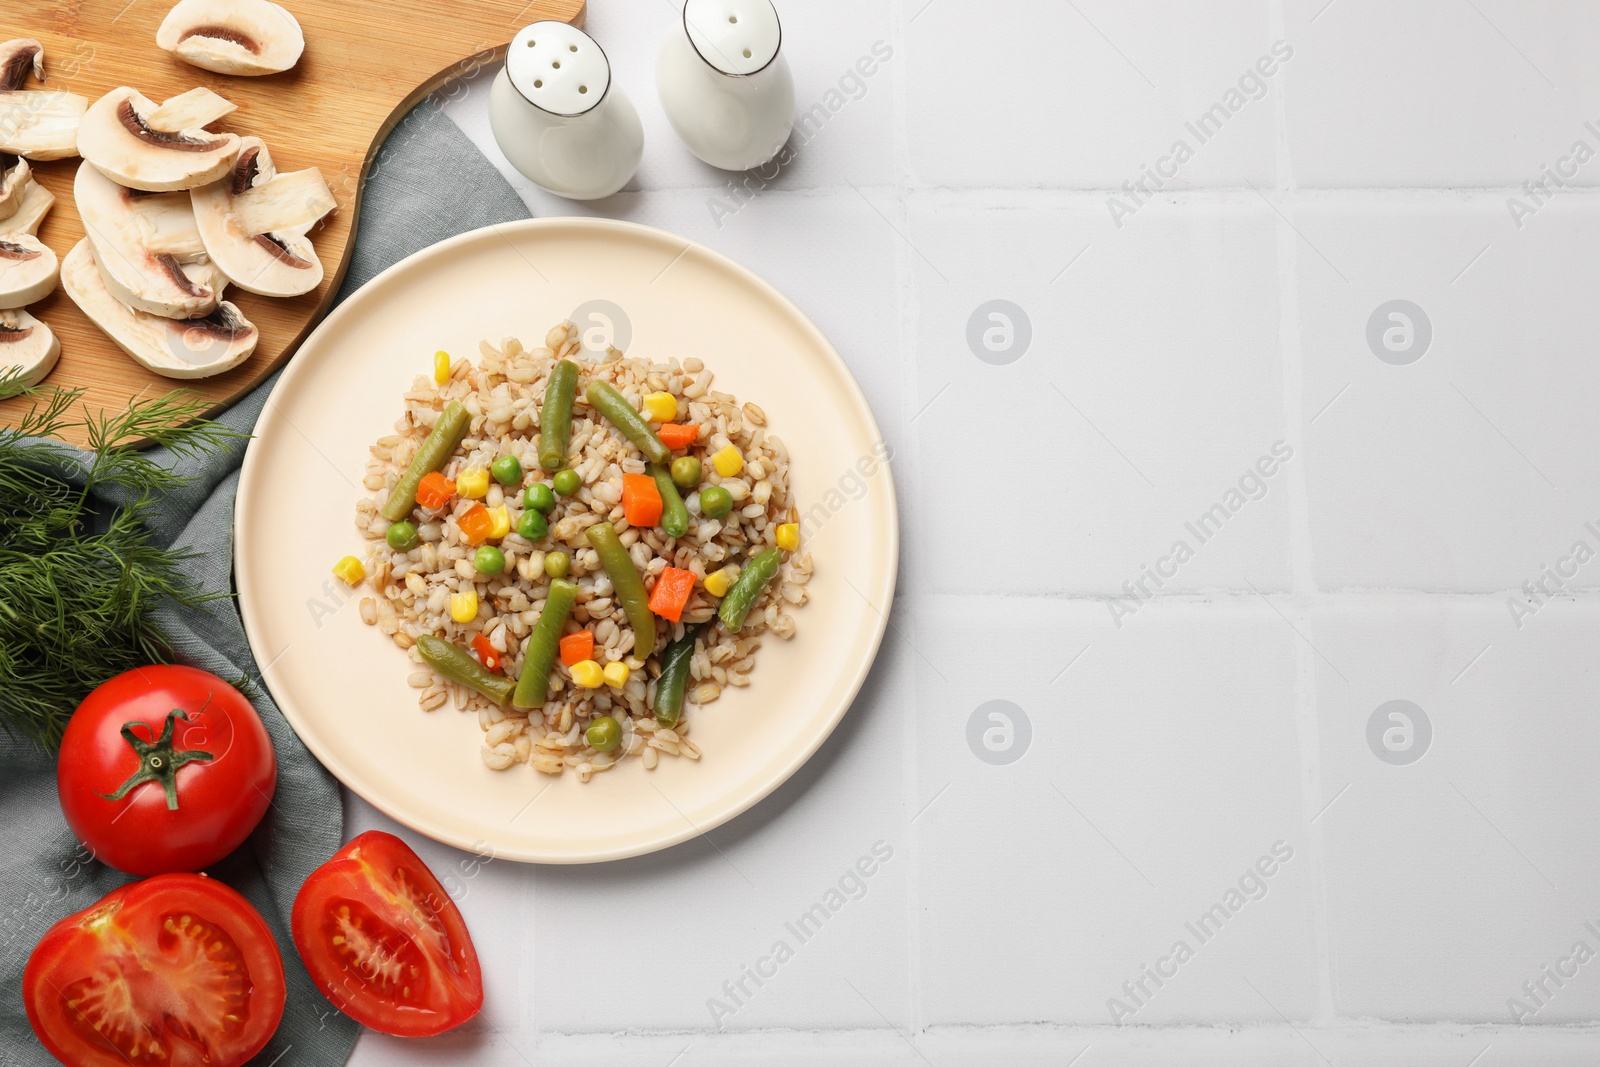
539,497
685,472
489,560
715,502
556,564
402,536
604,734
567,482
507,470
532,526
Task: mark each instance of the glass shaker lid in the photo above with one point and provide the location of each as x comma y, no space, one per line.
737,37
558,68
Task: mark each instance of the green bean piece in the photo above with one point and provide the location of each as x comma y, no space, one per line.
627,585
675,661
615,407
539,654
746,588
555,418
436,450
458,665
674,515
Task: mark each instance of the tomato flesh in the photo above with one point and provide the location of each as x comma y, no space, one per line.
174,971
384,941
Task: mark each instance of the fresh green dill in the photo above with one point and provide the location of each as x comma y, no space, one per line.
79,572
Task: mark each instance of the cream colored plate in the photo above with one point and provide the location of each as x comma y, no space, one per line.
342,684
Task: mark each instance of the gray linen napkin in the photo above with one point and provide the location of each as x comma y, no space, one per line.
427,183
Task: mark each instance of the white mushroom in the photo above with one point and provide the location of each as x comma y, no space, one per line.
14,175
175,348
150,253
28,345
116,136
40,124
245,37
280,260
35,205
28,270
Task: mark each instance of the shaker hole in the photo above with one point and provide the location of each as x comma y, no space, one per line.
556,64
539,83
733,18
532,42
583,88
747,53
572,48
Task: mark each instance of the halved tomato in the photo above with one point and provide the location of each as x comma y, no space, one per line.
384,941
174,971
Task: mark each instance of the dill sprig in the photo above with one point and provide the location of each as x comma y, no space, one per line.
80,577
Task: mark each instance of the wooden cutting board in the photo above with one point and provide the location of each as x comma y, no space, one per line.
366,64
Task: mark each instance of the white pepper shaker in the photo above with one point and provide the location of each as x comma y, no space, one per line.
725,83
559,118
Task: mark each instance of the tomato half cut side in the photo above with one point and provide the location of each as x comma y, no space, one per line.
384,941
174,971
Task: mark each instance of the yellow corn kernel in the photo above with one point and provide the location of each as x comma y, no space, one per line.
464,606
350,570
587,675
500,523
441,367
661,407
729,461
789,536
617,674
717,583
473,484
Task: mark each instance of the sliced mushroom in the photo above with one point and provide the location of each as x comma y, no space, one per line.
35,205
175,348
246,37
28,270
28,345
117,137
278,261
37,123
14,175
148,248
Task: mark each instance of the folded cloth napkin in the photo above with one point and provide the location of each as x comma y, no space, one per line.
428,182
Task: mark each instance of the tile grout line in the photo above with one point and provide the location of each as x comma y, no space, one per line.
906,325
1303,575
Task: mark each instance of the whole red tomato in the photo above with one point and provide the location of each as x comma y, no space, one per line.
384,941
174,971
165,769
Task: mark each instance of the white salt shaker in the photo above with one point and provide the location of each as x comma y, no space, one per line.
725,84
558,117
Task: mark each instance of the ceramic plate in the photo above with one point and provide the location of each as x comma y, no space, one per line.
343,685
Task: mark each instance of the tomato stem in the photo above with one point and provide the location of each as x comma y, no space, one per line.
158,761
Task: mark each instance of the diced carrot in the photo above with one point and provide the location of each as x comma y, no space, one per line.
488,655
675,435
641,500
476,524
672,593
575,648
435,490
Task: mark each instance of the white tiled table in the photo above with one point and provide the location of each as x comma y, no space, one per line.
1175,743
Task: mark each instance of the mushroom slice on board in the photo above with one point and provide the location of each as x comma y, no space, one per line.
36,123
245,37
14,176
276,262
27,345
149,251
28,270
35,205
116,136
174,348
